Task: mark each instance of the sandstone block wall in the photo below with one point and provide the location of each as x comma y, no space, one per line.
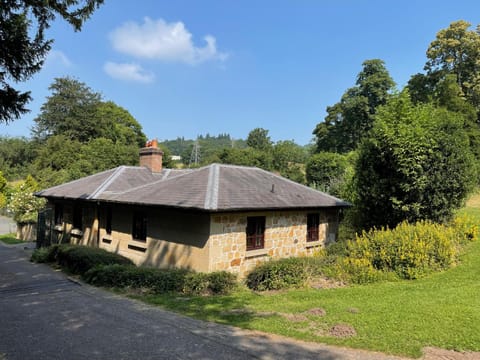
285,236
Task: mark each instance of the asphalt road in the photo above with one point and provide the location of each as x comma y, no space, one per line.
7,225
45,315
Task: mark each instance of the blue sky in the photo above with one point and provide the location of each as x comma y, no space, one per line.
184,68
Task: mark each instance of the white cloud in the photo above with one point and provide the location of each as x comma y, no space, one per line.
128,72
57,57
159,40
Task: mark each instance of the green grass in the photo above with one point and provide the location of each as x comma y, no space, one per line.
402,317
10,239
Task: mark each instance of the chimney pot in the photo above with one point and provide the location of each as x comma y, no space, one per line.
151,156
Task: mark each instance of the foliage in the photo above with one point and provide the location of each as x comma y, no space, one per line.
456,50
3,188
161,280
24,47
278,274
60,160
45,254
326,171
77,112
119,125
246,157
70,112
120,276
409,250
416,165
258,139
348,121
79,259
16,157
288,159
10,239
23,204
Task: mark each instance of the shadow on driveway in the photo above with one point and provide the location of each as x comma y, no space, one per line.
45,315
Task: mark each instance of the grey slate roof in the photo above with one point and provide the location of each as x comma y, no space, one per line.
215,187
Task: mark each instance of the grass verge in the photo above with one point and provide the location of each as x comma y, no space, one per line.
402,317
10,239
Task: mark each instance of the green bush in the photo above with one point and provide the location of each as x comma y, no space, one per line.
195,283
161,280
157,280
221,282
79,259
278,274
45,254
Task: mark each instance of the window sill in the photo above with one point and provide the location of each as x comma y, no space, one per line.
255,253
140,240
76,232
314,244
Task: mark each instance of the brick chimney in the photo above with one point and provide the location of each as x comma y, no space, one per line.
151,156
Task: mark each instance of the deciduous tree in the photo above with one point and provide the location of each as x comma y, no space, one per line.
416,165
348,121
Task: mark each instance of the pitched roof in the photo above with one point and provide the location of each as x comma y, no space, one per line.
215,187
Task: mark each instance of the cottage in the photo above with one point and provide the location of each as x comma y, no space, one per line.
218,217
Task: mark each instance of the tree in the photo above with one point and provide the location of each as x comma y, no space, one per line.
348,121
78,113
23,204
24,47
456,50
246,157
71,112
3,187
16,157
415,165
258,139
326,171
119,125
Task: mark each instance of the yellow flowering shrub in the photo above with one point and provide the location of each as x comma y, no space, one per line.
409,250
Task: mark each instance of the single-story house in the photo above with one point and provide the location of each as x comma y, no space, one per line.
217,217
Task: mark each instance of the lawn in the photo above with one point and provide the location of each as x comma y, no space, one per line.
10,239
441,310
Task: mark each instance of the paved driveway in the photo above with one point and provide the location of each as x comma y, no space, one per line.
45,315
7,225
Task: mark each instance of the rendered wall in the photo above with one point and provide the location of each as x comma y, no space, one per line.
174,238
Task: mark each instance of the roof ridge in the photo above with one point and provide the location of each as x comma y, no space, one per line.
211,195
161,180
107,182
77,180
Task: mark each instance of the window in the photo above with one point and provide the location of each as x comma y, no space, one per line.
108,220
77,217
58,214
313,221
139,231
255,232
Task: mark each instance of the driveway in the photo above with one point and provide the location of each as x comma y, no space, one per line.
7,225
46,315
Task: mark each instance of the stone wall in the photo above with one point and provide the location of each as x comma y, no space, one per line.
285,236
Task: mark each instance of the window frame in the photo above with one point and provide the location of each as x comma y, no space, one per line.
255,232
108,220
139,226
77,220
313,227
58,214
